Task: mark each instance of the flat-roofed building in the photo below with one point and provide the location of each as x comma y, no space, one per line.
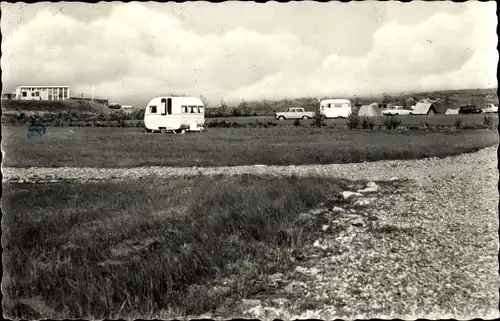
42,92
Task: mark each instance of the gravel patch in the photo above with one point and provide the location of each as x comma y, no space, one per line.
426,248
379,170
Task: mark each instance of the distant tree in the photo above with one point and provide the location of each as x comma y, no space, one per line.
205,101
223,105
386,98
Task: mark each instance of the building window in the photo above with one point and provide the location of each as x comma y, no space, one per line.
152,109
37,94
25,94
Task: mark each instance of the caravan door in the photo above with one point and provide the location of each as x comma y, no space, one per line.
166,106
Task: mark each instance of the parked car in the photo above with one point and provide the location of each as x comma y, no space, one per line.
469,109
295,113
490,108
396,110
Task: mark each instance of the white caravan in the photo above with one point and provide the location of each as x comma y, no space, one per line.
335,108
171,113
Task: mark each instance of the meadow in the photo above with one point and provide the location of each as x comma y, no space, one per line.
134,249
290,145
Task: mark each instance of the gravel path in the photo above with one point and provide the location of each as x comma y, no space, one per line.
425,248
379,170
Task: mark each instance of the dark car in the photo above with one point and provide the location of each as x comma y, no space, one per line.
469,109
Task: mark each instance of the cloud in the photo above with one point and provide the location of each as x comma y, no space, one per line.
442,52
136,53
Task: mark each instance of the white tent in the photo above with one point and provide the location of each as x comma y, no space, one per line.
451,111
369,110
424,109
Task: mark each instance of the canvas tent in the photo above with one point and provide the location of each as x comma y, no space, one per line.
451,111
424,109
369,110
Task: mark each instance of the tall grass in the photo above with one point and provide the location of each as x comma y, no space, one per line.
112,250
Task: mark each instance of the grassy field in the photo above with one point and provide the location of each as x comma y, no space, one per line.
133,249
129,147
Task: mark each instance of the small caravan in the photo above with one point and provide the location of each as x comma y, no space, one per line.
173,113
335,108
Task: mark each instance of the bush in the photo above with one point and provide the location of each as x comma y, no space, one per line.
319,121
458,123
297,122
367,123
353,121
236,112
488,121
392,122
137,114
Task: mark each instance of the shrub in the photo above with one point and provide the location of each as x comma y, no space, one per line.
367,123
236,112
353,121
319,120
458,123
297,122
488,121
392,122
137,114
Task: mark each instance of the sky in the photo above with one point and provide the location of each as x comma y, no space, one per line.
235,51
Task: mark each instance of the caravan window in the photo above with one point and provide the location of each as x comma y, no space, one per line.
200,109
193,109
184,109
337,105
163,106
152,109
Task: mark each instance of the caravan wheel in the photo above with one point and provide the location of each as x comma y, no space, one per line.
163,130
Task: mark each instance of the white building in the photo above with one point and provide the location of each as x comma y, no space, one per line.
127,109
42,92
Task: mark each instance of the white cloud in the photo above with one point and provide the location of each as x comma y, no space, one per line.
136,53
